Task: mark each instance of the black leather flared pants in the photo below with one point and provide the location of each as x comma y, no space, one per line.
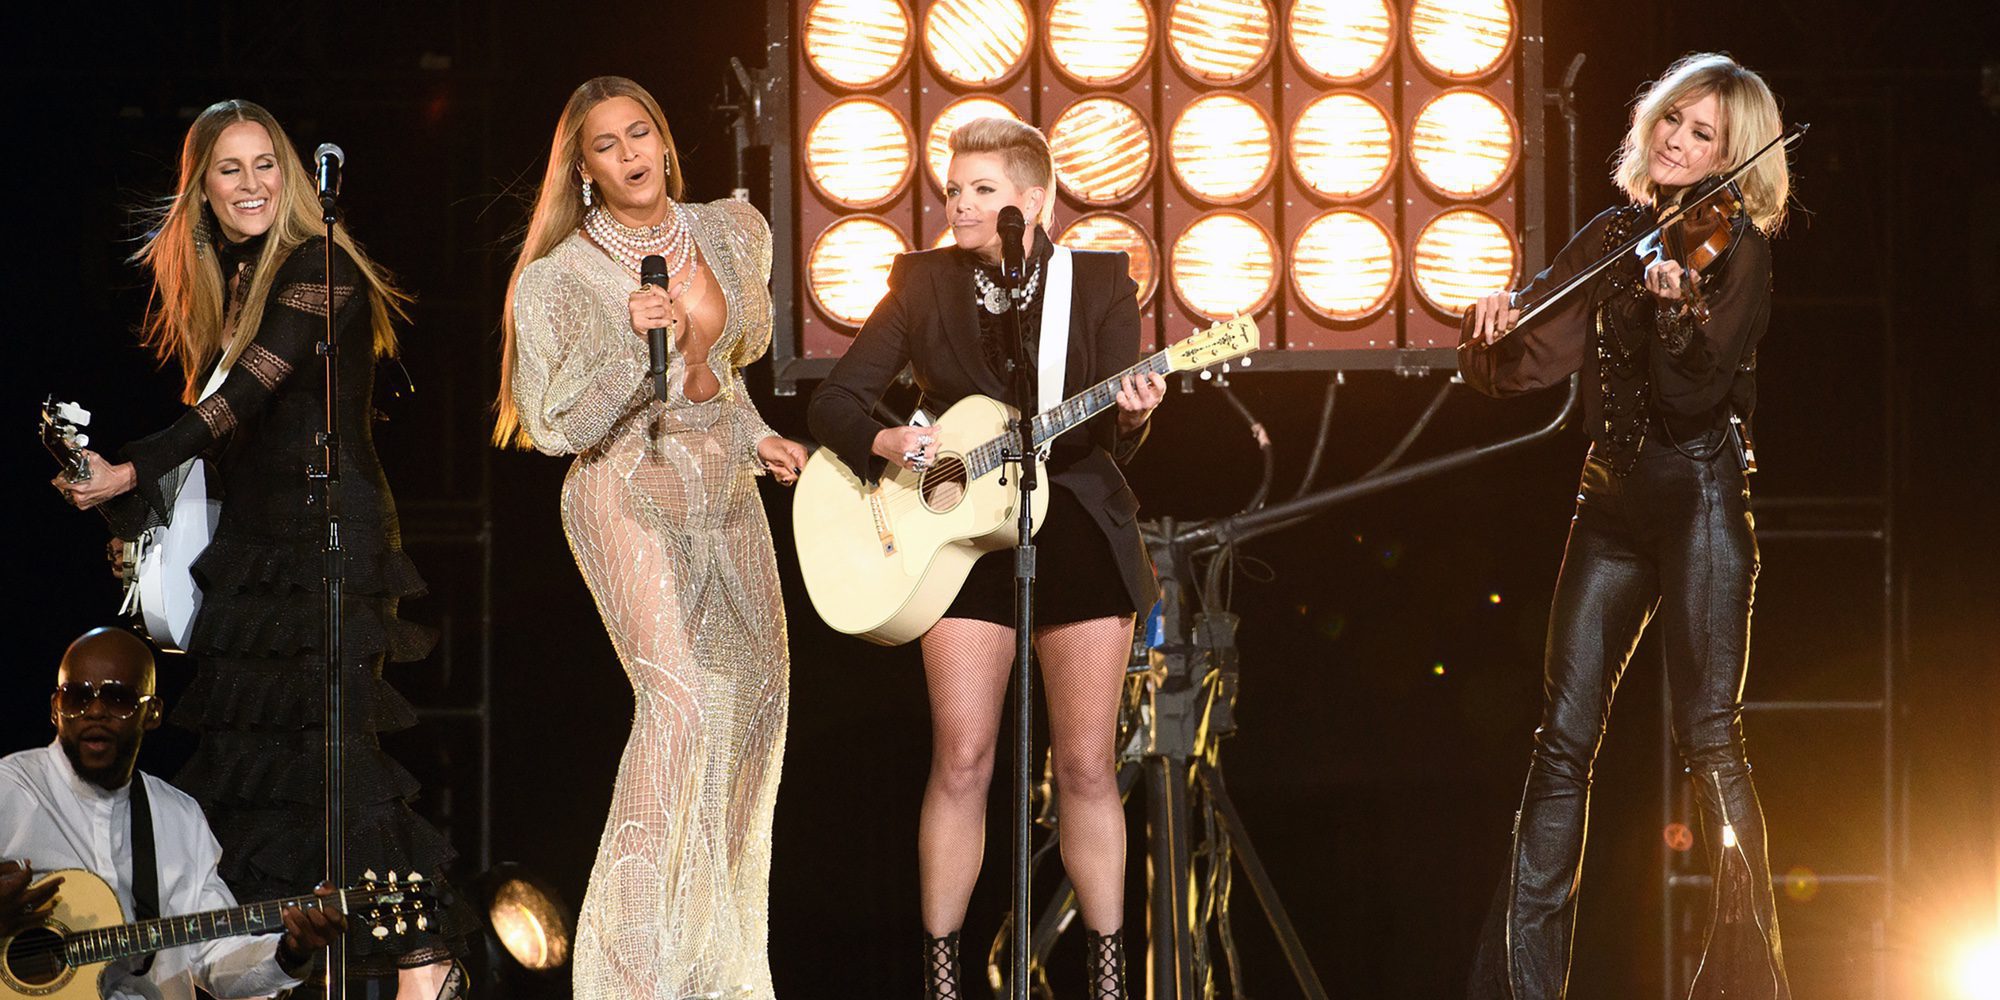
1674,542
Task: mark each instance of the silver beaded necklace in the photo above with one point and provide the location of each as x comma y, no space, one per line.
994,298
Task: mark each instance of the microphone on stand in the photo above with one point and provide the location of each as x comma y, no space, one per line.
329,159
653,271
1012,227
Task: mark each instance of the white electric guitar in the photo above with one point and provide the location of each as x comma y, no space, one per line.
158,567
64,957
884,562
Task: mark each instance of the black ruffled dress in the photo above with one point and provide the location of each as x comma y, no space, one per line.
257,698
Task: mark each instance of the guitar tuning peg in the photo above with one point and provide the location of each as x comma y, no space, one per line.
83,440
402,926
415,877
369,875
1245,361
1225,368
423,923
1206,375
392,878
380,932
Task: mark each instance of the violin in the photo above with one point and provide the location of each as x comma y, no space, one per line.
1699,237
1697,232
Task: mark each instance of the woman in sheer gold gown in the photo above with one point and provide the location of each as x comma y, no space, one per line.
662,513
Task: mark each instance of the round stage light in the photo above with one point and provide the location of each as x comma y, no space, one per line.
1463,144
1461,255
859,152
1344,265
1462,39
976,43
1111,231
1222,148
1343,146
1220,41
947,238
857,43
937,151
528,917
1342,41
848,266
1103,150
1224,266
1100,43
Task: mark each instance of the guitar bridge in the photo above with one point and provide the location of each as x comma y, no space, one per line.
883,534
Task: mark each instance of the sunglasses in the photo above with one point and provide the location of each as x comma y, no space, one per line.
118,698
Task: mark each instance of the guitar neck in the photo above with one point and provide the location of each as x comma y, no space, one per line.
1064,416
104,944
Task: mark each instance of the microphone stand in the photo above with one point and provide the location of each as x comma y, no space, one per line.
1025,480
327,480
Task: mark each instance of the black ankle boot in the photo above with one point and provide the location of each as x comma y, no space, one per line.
941,967
1104,956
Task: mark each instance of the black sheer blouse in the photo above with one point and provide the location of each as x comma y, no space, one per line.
1646,369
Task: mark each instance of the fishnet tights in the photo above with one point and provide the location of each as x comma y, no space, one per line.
966,665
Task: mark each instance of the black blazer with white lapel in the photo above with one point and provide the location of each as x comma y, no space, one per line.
928,321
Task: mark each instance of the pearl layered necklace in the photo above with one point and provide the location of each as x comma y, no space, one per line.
672,239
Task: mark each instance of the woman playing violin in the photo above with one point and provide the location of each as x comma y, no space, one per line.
1662,527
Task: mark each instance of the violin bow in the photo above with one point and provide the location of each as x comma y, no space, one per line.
1579,279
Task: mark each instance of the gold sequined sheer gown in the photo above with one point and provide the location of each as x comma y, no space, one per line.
663,516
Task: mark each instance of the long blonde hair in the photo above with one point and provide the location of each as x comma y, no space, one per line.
185,313
1749,119
558,211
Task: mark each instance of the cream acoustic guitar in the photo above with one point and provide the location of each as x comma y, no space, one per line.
65,956
884,562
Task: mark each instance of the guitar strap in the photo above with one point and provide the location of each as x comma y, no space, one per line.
1052,359
145,866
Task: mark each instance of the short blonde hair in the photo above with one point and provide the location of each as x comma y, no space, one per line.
1749,119
1023,151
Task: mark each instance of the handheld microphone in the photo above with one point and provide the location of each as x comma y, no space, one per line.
1012,226
329,159
653,271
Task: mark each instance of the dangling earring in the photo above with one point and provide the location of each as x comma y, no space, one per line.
586,193
667,167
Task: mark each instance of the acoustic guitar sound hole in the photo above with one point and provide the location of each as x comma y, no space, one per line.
944,484
35,957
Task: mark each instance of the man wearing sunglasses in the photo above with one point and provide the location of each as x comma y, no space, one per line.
70,805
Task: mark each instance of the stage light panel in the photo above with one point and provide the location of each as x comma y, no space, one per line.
1460,255
937,151
1222,148
847,269
1463,144
1224,266
976,43
1344,265
1462,39
857,43
1341,41
1112,231
858,153
1100,43
1220,41
1103,150
1343,146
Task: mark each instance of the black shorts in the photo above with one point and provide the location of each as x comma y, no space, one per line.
1076,577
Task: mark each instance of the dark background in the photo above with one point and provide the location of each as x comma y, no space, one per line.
1379,792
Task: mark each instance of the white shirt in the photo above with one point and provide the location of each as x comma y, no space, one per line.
56,819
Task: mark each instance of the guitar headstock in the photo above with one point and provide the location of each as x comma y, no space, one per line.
391,905
62,435
1225,341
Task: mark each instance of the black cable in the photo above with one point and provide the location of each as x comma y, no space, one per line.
1396,454
1319,444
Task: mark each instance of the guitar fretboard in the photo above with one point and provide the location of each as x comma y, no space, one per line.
107,943
1063,417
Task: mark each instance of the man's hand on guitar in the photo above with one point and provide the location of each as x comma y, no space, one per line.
21,906
912,448
307,931
1137,398
106,481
